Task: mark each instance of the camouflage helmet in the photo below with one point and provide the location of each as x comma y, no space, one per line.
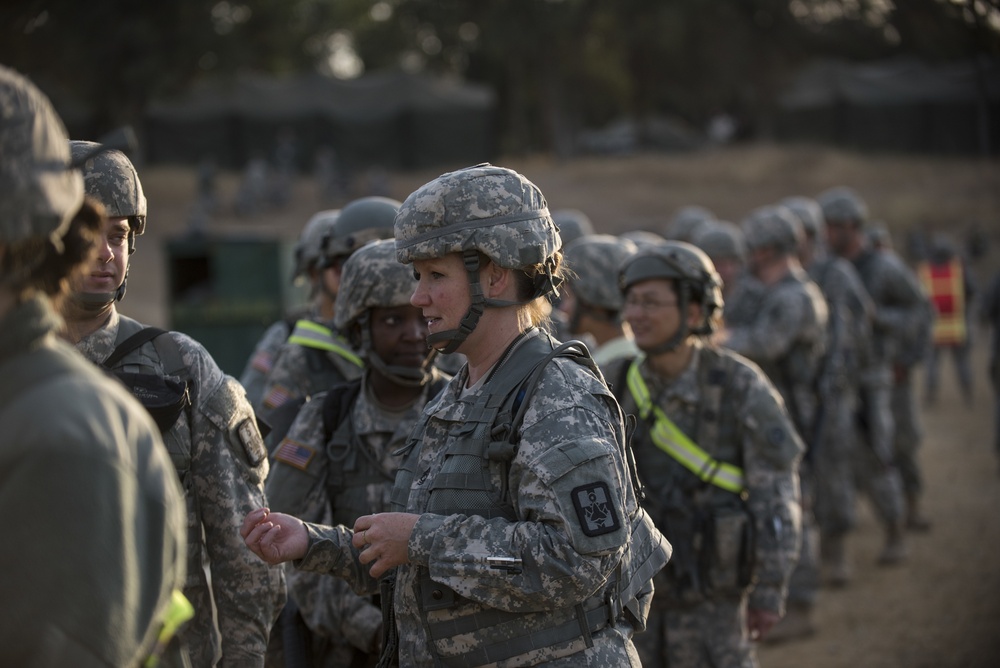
493,210
362,220
694,276
643,238
809,213
39,193
372,278
843,204
111,179
686,221
572,224
594,260
309,246
773,227
721,239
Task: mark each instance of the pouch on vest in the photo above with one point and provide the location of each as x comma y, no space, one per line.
728,551
164,398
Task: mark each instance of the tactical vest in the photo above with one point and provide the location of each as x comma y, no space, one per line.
710,529
488,443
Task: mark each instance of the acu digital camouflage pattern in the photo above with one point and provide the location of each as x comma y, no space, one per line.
751,429
361,221
221,461
843,204
39,194
493,210
343,623
773,227
372,277
809,213
309,246
561,565
721,239
110,178
595,261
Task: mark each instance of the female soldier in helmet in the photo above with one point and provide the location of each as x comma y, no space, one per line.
517,538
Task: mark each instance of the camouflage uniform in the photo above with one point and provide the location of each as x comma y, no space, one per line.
97,539
261,360
215,447
222,465
530,546
734,546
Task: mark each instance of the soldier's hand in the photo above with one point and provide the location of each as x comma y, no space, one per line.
274,537
384,540
759,622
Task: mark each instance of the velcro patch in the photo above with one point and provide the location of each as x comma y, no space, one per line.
277,396
253,444
594,509
294,454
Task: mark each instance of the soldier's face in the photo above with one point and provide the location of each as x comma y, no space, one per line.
442,292
399,336
651,311
839,236
107,270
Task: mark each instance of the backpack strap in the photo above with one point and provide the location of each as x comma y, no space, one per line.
133,342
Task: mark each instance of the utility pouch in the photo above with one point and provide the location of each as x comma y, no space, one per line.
164,398
728,553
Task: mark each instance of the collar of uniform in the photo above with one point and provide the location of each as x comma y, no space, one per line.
99,344
683,388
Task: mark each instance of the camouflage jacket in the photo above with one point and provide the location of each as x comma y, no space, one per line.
751,430
220,458
98,543
563,560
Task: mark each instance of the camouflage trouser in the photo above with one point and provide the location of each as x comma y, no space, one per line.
881,482
711,634
907,434
834,476
804,582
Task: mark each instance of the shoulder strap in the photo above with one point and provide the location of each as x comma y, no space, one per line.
337,404
144,335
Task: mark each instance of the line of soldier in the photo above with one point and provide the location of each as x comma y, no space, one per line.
433,445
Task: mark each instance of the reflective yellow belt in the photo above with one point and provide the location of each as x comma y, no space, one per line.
667,437
179,611
314,335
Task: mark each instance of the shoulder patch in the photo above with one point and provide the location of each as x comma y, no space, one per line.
252,442
263,361
294,454
277,396
594,509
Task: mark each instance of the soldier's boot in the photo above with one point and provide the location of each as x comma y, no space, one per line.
895,550
797,623
915,519
838,572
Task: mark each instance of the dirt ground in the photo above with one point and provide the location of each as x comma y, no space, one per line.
942,607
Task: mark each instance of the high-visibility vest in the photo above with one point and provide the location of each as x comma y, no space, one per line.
314,335
945,285
670,439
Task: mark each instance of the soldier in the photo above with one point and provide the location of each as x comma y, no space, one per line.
518,537
719,456
787,338
316,356
337,463
901,328
847,367
322,296
591,301
572,224
726,247
96,545
207,425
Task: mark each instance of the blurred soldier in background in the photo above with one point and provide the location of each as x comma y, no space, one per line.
591,299
94,551
787,338
686,222
337,463
207,425
572,224
322,295
642,238
902,329
947,279
846,367
316,356
721,485
725,245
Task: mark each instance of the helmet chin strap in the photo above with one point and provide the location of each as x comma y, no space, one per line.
408,376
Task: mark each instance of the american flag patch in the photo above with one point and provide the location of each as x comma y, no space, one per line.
276,397
262,361
294,454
